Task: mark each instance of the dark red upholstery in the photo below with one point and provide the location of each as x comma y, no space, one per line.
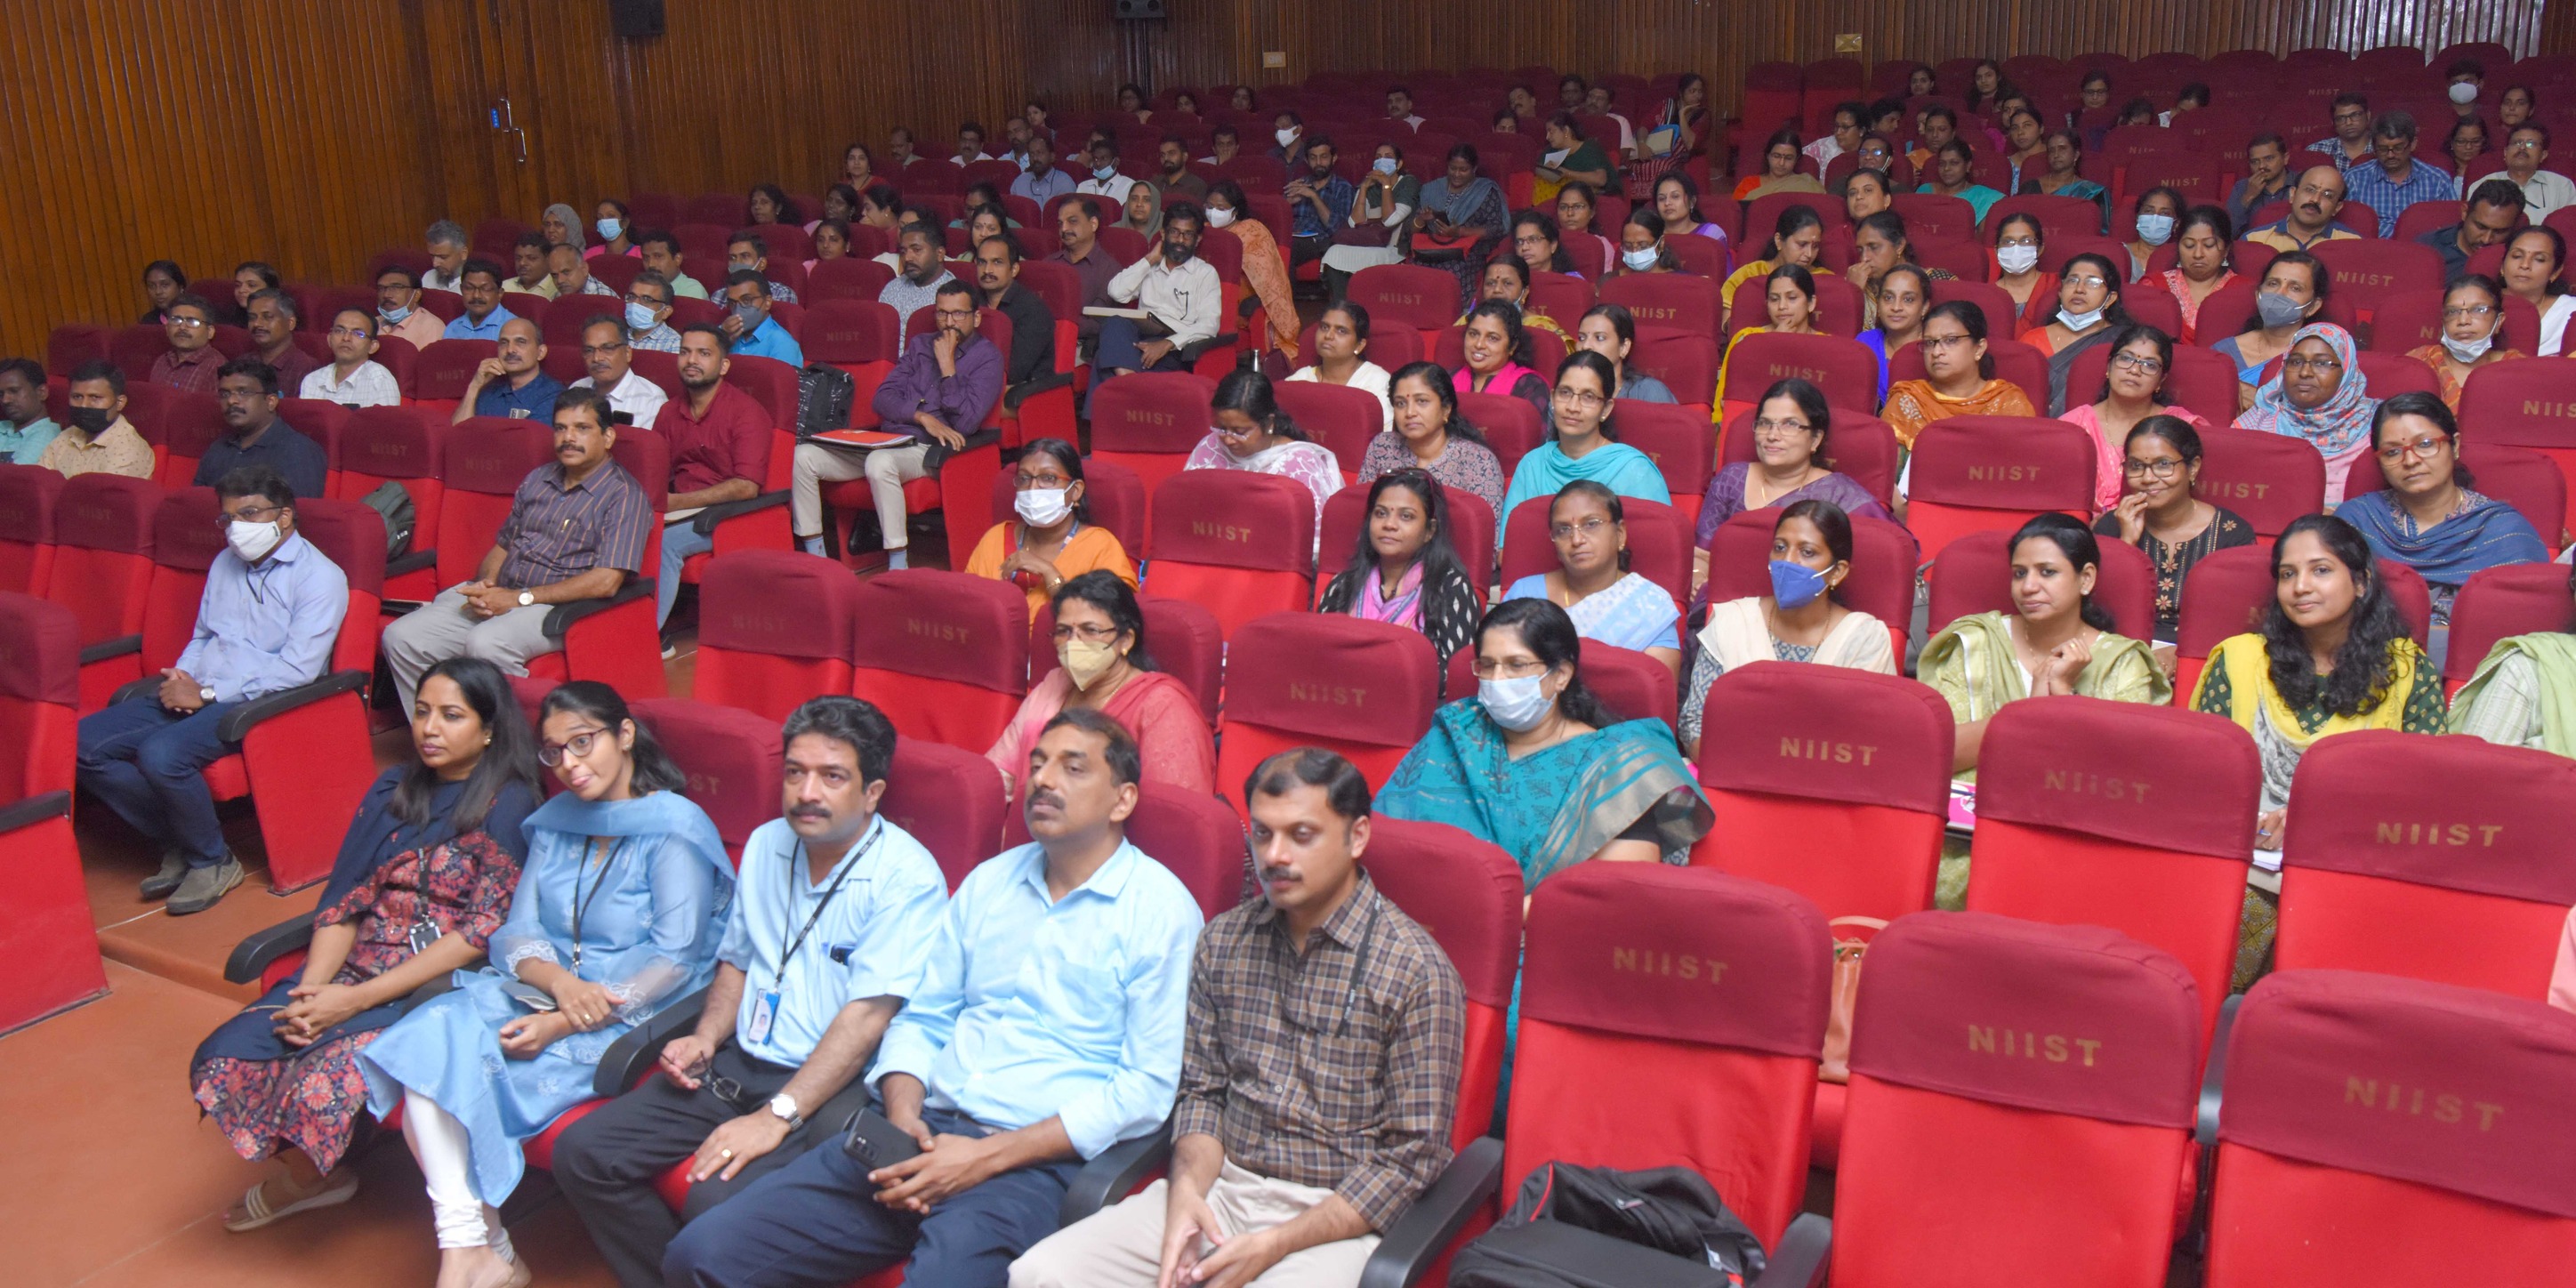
1659,543
1858,444
1974,575
1881,583
1149,421
446,367
2373,1123
2498,603
1701,997
27,497
484,459
1467,893
2124,815
1680,441
1341,417
1987,473
39,697
1240,544
1843,368
943,654
2229,591
950,799
188,424
731,757
1681,301
1361,688
2521,477
1407,295
2055,1135
1195,836
2267,479
1471,533
2525,404
2439,858
1511,427
774,628
102,566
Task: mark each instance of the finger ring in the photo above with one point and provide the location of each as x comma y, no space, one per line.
726,1153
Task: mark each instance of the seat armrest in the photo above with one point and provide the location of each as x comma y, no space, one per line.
1113,1172
1191,352
632,1056
105,649
1033,386
1423,1232
34,810
410,563
133,689
400,607
563,617
2205,1128
236,724
705,520
1804,1254
261,947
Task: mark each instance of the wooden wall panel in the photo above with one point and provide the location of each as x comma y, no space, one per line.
314,135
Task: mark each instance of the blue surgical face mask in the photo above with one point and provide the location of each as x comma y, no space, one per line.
640,318
1517,705
1103,172
1795,585
609,228
394,316
2155,229
1639,260
1383,165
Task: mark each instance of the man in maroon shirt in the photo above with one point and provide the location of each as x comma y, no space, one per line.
1078,229
272,322
191,362
719,439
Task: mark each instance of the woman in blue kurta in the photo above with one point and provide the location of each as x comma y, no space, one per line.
618,911
423,879
1586,395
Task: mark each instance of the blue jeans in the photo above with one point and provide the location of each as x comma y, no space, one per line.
146,762
816,1222
679,541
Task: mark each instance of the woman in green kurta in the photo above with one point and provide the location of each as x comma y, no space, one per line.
2056,641
2524,693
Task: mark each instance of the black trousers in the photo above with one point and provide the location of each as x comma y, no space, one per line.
606,1163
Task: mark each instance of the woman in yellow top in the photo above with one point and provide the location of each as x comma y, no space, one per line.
2332,656
1789,297
1052,540
1959,377
1797,239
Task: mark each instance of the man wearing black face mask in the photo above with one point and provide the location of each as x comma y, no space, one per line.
96,437
1178,292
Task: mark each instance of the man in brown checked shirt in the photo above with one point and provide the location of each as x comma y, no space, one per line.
1320,1073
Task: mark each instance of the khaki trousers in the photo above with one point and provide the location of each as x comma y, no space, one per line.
886,469
1122,1246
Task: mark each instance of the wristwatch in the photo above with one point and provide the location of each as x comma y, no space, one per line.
205,693
527,599
784,1106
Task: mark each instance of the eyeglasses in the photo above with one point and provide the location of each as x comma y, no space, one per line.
2024,240
552,754
1090,634
2093,280
350,333
2318,365
2523,145
2421,449
595,350
645,300
1488,669
2151,469
2468,311
1781,428
1025,482
189,323
251,514
1584,399
2138,362
1937,343
1590,528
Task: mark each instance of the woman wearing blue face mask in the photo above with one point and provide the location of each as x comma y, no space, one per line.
1803,618
616,228
2159,212
1641,245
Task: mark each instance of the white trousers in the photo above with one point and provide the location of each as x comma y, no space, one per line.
446,1157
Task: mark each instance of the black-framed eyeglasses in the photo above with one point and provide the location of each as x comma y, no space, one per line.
2151,469
552,754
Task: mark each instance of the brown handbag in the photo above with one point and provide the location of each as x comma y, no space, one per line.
1849,948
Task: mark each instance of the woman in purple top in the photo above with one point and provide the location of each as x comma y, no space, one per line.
1789,428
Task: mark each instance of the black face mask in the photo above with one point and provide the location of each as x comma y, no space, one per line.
92,420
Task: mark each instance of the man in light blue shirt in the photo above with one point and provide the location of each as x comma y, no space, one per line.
483,317
1040,181
25,429
1048,1027
832,921
751,328
2392,181
272,608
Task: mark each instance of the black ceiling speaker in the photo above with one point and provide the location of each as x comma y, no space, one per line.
1134,10
635,19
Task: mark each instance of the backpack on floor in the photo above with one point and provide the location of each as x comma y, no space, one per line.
1591,1227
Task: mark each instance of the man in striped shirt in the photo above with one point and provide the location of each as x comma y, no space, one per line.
576,531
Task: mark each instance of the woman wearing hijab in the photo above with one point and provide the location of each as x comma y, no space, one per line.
1144,215
2322,396
562,225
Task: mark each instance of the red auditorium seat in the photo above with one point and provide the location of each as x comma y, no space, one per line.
1857,444
2524,404
1929,216
2527,480
943,654
1680,301
188,424
102,564
2202,382
2496,604
380,445
1415,296
73,343
1881,583
1044,407
2374,1124
1238,543
1449,349
1993,473
2409,320
1680,441
1701,997
1659,544
1974,575
1511,427
1182,637
774,628
1561,297
1471,533
2140,818
950,799
1148,422
28,494
2267,479
2463,877
1363,689
2055,1137
446,367
1686,361
1341,417
1845,370
2369,270
2229,591
1467,893
45,923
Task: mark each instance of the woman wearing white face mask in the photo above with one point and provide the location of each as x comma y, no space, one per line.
1265,266
2472,314
2159,212
2088,311
1102,665
1052,540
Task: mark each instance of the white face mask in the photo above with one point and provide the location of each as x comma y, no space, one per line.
1044,507
1284,136
1383,165
2464,93
1219,216
2017,259
2079,321
2469,350
1640,260
252,541
1517,704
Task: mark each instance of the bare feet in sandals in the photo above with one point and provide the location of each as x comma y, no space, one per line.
286,1193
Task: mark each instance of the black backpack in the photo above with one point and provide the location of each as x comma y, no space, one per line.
1589,1227
824,395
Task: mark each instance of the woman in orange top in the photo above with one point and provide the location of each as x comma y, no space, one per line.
1052,539
1265,270
2472,313
1960,377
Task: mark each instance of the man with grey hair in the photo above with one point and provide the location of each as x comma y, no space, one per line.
2391,181
272,320
447,250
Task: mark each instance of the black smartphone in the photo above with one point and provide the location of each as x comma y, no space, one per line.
876,1142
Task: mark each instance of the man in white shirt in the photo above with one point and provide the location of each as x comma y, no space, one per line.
353,378
610,357
1178,292
1596,101
2543,191
1399,107
1105,181
970,144
1844,138
447,250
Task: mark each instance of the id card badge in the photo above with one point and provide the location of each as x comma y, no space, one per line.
764,1010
